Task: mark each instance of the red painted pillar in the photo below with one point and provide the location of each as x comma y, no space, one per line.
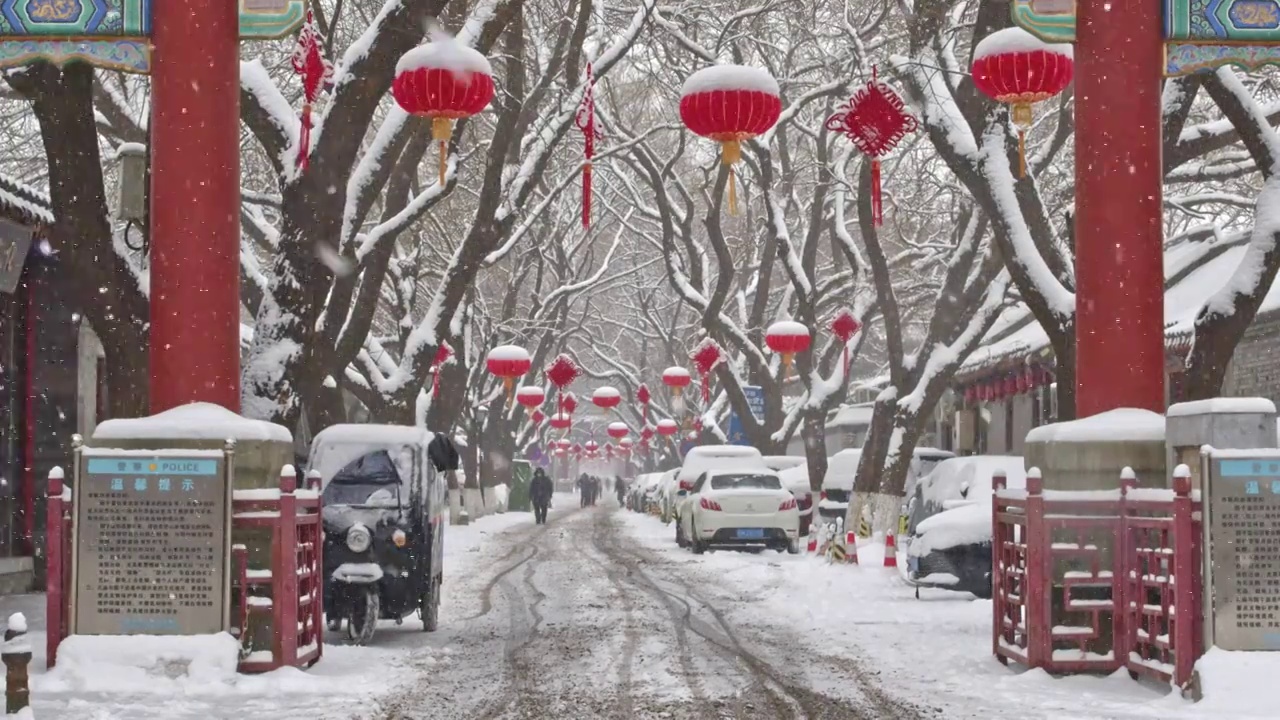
1119,260
195,204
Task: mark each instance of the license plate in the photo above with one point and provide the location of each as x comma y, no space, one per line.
751,534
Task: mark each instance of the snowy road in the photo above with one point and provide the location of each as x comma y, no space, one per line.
576,621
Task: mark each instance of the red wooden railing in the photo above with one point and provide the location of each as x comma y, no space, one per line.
290,591
1142,611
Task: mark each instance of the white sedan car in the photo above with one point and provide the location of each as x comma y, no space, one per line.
742,507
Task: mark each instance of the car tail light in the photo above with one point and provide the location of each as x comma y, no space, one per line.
686,485
823,495
788,504
709,504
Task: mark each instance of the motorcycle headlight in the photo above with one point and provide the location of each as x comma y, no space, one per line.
359,538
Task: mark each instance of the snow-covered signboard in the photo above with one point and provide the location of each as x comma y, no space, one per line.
152,542
15,242
1244,551
755,400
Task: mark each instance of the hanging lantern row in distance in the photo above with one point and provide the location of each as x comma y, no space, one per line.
618,430
875,120
787,337
676,378
508,362
606,397
530,396
561,421
1014,67
730,104
446,81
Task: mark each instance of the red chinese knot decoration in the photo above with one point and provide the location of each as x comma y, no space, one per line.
845,325
562,372
730,104
569,404
443,353
705,358
446,81
875,120
643,397
537,417
1014,67
586,121
310,63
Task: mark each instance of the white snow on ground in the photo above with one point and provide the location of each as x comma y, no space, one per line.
937,650
342,685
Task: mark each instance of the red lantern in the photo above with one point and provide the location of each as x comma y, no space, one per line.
563,443
530,396
618,430
508,362
561,421
309,62
845,325
1014,67
676,378
445,81
625,444
787,338
569,404
591,446
730,104
606,398
667,427
586,120
705,358
874,119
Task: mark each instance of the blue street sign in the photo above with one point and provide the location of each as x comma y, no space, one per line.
755,401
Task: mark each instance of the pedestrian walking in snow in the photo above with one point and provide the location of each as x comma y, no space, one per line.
540,490
584,490
620,487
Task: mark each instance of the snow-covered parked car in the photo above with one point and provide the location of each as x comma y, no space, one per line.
704,459
796,480
949,522
741,508
668,494
842,468
647,493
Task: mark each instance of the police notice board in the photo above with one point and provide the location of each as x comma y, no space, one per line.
1243,533
152,542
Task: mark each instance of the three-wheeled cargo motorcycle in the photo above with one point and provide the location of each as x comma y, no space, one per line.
384,494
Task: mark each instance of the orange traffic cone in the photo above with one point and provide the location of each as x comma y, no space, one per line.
890,551
851,547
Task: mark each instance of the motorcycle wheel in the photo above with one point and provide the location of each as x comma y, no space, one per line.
429,607
363,619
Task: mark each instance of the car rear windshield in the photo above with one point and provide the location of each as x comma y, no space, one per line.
763,482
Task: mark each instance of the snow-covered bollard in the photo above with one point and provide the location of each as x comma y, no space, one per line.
16,655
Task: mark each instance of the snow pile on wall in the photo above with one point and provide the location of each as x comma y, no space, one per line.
1254,405
144,664
1119,425
197,421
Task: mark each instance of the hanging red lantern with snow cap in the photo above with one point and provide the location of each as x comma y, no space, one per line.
530,396
1017,68
787,337
676,378
618,430
445,81
606,397
875,120
705,358
508,362
561,421
730,104
668,427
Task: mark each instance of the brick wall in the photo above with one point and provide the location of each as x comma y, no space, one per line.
1255,367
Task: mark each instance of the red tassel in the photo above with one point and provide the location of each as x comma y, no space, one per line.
435,381
846,359
877,209
304,138
706,390
586,195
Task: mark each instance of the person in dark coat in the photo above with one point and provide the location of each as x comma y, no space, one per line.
584,490
540,490
620,487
